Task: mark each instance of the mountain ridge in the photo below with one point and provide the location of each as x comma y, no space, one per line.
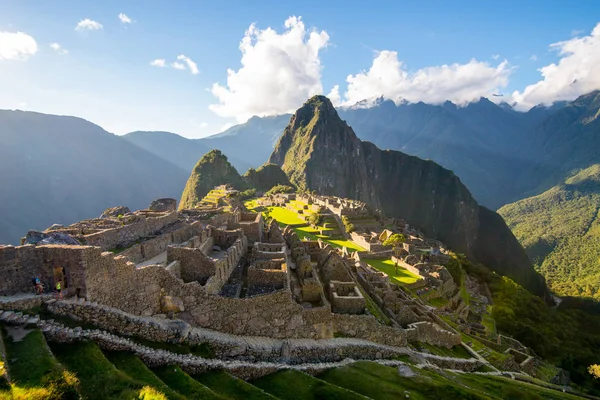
318,151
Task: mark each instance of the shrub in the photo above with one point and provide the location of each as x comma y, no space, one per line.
347,224
279,189
314,219
247,194
594,370
395,240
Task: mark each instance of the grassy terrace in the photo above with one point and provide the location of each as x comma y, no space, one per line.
285,216
386,265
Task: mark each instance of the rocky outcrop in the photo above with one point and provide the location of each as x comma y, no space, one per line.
162,205
265,177
318,151
115,212
41,238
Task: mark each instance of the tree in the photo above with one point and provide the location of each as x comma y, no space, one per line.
594,370
395,240
349,226
314,219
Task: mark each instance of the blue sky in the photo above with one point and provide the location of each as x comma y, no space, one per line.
106,76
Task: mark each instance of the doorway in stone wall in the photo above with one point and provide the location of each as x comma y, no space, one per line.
60,275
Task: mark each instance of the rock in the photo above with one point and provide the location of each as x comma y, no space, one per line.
55,227
405,371
164,204
172,304
216,248
115,212
40,238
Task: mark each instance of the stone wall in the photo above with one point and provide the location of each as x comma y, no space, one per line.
428,332
268,273
346,298
145,226
252,225
194,265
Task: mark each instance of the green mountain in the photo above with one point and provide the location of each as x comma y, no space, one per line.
57,169
560,230
212,170
318,151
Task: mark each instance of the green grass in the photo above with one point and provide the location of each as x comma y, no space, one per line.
438,302
456,352
386,265
489,322
184,384
380,382
294,385
136,369
98,378
285,216
251,204
233,388
34,371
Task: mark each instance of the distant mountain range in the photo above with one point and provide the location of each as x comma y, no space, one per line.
56,169
500,154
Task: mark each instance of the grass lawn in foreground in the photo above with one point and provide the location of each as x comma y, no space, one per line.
386,265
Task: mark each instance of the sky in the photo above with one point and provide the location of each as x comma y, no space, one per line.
196,67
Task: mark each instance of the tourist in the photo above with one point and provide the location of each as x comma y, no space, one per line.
59,289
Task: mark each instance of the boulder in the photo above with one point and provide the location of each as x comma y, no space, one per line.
40,238
170,304
115,212
165,204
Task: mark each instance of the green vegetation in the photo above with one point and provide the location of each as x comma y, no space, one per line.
285,216
266,177
280,189
294,385
560,230
381,382
35,373
129,364
247,194
403,276
212,170
349,226
231,387
456,352
438,302
98,378
314,219
395,240
594,370
184,384
374,309
566,336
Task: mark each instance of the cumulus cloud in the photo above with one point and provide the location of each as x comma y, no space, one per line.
58,48
159,62
279,72
16,46
178,65
125,19
459,83
88,25
193,67
576,73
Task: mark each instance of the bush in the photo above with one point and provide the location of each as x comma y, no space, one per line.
395,240
248,194
349,226
314,219
279,189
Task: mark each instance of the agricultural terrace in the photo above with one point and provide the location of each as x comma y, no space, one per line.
386,265
285,216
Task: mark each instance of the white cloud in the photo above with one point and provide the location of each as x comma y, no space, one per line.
495,56
191,65
16,46
88,25
459,83
334,96
159,62
576,73
533,57
178,65
203,124
125,19
279,72
58,48
577,32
